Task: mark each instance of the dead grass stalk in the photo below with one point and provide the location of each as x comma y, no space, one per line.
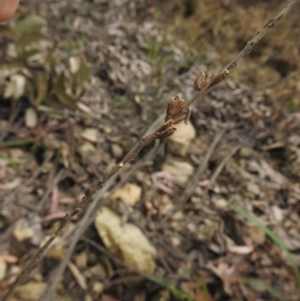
177,111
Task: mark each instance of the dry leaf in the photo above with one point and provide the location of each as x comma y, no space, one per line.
91,134
242,250
11,185
3,268
9,258
224,272
77,275
106,297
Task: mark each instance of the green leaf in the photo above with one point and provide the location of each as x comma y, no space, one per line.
81,76
178,293
29,91
272,236
263,286
28,39
72,44
95,15
66,100
15,143
4,31
32,23
52,103
27,54
41,83
59,83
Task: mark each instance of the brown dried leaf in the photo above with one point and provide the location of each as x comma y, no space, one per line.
174,107
77,275
106,297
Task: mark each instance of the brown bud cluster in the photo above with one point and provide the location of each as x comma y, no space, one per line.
204,81
174,107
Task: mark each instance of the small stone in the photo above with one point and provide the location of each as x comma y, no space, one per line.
108,130
278,214
168,208
96,271
91,134
87,149
261,205
182,170
220,203
31,291
117,150
258,236
81,260
179,142
57,252
162,295
88,297
191,227
175,241
177,216
144,178
246,152
22,234
129,193
195,199
126,241
31,118
98,288
253,188
207,229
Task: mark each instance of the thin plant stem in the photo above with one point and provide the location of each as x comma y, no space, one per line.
163,131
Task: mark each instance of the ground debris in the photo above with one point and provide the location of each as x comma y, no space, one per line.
81,94
126,241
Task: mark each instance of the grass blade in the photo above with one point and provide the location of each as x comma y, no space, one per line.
260,285
180,294
272,236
